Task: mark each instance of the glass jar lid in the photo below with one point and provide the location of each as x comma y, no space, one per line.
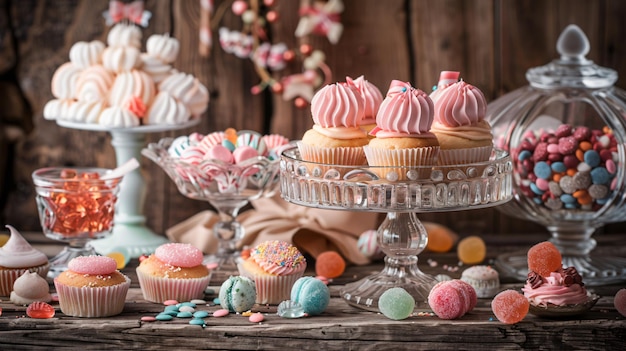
573,69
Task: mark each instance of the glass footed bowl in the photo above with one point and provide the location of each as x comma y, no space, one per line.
401,236
227,187
75,206
566,132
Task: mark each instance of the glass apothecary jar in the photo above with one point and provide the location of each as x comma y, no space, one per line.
565,132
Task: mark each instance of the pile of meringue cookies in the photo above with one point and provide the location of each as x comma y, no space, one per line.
118,86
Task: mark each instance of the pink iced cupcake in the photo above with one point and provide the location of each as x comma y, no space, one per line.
174,272
372,98
92,287
274,266
18,257
464,135
336,136
403,138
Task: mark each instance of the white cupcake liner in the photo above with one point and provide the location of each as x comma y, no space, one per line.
9,276
413,163
347,156
92,302
271,289
157,289
462,156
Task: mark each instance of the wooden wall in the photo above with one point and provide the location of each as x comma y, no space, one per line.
492,42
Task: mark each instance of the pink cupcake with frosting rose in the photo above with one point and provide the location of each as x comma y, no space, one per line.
402,134
174,272
336,136
464,135
17,257
372,98
274,266
92,287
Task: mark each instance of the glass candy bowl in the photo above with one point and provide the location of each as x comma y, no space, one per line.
401,236
76,205
227,187
566,132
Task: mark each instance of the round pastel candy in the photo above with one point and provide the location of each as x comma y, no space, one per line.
237,294
396,303
510,306
219,152
620,302
312,294
544,258
471,250
92,265
368,245
253,140
449,300
228,144
243,153
330,264
179,255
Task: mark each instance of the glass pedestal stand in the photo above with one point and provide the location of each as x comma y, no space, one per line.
130,235
401,236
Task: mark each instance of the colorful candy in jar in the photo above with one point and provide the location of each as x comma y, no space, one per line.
568,168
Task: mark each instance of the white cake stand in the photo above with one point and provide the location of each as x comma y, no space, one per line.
130,235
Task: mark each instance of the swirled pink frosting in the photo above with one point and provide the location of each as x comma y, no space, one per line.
460,104
372,97
337,111
554,291
17,252
405,112
278,257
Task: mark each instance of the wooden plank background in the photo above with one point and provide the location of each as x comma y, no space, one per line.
492,42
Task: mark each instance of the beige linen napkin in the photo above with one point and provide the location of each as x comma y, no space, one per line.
312,230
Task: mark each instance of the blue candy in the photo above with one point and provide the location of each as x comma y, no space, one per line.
559,167
184,315
592,158
228,144
312,294
567,199
196,321
542,170
237,294
163,317
200,314
524,155
535,189
600,175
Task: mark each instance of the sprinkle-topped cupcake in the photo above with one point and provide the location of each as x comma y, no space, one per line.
92,287
274,266
174,272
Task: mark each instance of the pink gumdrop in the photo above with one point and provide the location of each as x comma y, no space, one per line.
179,255
221,313
170,302
219,152
40,310
542,184
553,148
256,317
92,265
568,145
446,301
510,306
620,302
243,153
470,293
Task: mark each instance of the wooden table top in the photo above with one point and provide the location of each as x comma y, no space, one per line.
340,327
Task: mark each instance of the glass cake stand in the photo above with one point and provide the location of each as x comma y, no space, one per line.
130,235
401,236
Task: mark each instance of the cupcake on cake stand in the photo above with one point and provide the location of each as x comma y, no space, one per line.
401,236
130,235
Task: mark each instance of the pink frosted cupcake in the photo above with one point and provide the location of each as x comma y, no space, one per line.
92,287
274,266
464,135
174,272
446,79
18,257
336,136
403,138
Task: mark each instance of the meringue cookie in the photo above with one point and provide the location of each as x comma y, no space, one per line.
30,287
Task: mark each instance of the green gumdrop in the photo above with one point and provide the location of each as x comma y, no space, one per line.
396,303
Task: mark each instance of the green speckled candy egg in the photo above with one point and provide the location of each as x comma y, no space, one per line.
237,294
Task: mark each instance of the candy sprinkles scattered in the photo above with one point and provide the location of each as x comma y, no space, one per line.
188,310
